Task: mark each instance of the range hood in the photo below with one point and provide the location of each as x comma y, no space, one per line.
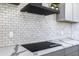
15,3
37,8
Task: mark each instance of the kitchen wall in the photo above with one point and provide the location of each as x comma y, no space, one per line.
21,27
75,31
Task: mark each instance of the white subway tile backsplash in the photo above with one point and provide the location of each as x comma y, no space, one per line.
28,27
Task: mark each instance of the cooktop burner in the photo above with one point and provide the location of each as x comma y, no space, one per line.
33,47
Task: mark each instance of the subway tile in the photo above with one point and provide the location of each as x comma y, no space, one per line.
28,27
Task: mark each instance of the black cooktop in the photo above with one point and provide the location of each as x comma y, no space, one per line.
33,47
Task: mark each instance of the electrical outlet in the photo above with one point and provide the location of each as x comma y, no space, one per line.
11,34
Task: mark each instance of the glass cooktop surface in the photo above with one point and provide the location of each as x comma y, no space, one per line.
33,47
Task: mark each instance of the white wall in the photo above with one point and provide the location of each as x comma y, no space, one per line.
75,31
27,27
